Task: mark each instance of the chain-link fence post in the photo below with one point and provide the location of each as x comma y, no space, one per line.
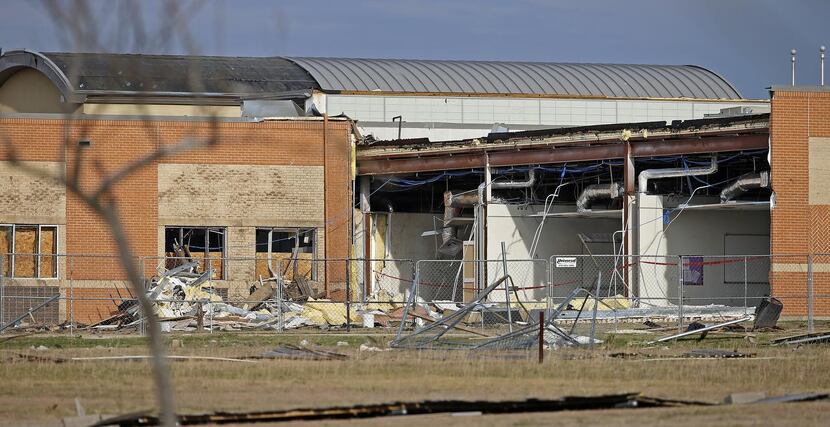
810,293
2,285
72,295
348,300
280,302
746,280
680,293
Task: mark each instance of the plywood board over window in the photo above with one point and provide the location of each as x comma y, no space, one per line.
25,246
6,248
29,251
48,248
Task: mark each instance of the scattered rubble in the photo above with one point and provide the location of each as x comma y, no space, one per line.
809,338
699,328
185,301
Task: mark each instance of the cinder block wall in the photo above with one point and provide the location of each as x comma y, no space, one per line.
266,174
800,220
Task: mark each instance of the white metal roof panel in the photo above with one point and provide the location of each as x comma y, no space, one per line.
523,78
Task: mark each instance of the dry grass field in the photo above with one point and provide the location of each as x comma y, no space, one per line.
41,392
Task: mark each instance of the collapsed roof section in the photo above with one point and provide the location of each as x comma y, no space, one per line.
562,145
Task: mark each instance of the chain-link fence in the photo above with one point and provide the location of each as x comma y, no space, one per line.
226,294
58,291
54,291
493,294
687,287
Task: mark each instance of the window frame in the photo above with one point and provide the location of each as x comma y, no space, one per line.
295,230
296,234
39,253
206,244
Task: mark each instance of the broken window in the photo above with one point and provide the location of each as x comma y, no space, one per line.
289,249
29,250
203,244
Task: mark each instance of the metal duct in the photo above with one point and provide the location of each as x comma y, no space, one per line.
531,179
594,192
743,184
453,203
648,174
450,245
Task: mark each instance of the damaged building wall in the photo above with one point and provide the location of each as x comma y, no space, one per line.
652,281
278,155
241,198
398,236
731,233
666,230
514,225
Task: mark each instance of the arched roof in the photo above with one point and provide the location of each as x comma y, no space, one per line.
14,61
77,75
524,78
80,74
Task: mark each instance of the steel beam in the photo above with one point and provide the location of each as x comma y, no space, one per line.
551,154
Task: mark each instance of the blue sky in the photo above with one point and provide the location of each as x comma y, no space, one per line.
746,41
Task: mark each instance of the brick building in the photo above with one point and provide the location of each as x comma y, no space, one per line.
282,185
800,152
287,180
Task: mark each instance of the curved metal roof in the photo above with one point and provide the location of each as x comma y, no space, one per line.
175,73
80,74
525,78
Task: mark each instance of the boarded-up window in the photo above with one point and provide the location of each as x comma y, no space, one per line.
285,251
25,246
203,244
6,248
48,247
29,250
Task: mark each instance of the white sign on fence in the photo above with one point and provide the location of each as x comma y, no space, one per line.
566,262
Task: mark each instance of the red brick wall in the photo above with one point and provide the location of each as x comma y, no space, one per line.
119,142
91,305
796,226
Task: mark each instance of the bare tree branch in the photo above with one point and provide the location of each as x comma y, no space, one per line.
82,23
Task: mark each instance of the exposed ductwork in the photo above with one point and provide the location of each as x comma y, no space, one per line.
594,192
642,179
743,184
531,179
453,203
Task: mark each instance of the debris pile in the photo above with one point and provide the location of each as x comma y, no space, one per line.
184,299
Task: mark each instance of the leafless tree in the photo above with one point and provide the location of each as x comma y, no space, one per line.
80,22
